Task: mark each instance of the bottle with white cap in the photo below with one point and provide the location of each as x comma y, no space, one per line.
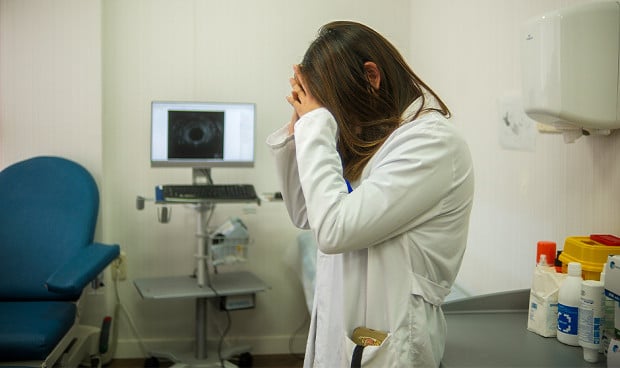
568,306
591,313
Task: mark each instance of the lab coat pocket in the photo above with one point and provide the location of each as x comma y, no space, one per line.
372,356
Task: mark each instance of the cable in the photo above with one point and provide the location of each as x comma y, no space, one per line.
205,225
228,323
131,323
226,330
118,307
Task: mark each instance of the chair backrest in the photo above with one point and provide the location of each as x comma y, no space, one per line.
48,211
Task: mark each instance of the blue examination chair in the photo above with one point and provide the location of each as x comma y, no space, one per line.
48,213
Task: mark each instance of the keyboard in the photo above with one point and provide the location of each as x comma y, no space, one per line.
210,192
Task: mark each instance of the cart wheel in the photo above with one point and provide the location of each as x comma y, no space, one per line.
245,360
151,362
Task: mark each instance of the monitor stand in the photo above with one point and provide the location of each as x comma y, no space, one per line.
204,287
201,176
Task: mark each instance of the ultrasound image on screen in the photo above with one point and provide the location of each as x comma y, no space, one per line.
196,134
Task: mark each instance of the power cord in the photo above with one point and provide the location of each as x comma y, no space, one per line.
222,336
228,321
205,225
120,307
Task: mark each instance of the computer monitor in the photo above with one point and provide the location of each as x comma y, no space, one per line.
202,135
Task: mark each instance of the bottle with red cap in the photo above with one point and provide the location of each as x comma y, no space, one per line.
547,248
543,301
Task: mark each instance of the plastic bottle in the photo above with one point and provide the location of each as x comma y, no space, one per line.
543,301
591,312
617,320
568,306
608,330
545,248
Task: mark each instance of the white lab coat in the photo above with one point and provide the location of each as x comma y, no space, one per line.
390,250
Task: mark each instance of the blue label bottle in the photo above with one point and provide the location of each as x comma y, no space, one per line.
568,306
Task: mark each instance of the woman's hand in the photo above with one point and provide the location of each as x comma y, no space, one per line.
301,100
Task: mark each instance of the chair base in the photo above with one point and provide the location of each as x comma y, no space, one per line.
76,348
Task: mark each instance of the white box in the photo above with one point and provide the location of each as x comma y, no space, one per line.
612,277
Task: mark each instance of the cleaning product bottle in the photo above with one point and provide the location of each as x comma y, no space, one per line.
568,306
543,302
545,248
608,331
591,312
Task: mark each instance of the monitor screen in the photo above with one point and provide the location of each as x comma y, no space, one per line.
202,134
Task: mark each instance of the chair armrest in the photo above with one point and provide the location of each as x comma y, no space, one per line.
82,268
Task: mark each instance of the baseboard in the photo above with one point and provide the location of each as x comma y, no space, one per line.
263,345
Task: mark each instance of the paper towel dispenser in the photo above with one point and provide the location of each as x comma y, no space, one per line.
570,68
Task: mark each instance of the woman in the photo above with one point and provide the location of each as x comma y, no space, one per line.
371,164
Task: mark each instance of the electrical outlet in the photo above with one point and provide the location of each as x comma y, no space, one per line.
119,267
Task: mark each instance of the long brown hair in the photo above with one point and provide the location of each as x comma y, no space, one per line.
333,68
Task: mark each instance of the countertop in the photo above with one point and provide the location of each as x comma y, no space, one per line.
491,331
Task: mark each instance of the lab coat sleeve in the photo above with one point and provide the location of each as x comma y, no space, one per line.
283,148
407,183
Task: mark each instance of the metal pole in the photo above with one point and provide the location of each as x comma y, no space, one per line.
200,245
201,328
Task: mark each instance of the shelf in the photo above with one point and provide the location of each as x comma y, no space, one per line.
222,284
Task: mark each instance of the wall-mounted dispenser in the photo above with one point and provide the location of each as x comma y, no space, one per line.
570,69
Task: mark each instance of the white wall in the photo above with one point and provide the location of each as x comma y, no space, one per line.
209,51
52,52
50,86
469,51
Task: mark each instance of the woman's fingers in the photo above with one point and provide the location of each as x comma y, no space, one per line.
296,89
299,76
299,98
